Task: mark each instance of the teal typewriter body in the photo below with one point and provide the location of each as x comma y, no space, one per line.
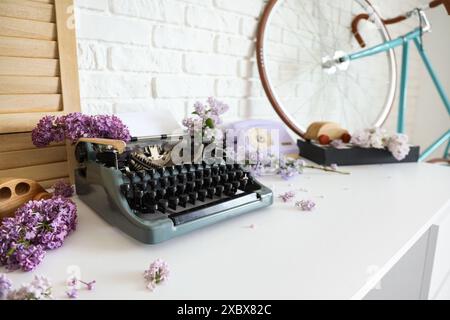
153,200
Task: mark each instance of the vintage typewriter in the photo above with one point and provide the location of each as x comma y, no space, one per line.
140,190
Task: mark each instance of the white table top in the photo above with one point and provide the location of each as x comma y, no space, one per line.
362,226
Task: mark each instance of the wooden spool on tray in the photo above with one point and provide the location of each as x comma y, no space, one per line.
16,192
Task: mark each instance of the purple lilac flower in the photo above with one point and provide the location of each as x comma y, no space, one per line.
77,125
200,109
305,205
156,273
36,227
47,131
5,286
110,127
72,293
287,196
63,189
90,285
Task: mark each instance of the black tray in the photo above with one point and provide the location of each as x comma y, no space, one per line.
326,155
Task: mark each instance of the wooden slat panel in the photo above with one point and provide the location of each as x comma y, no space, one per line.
30,103
28,48
29,10
12,27
29,85
21,122
26,158
13,66
68,56
38,173
18,141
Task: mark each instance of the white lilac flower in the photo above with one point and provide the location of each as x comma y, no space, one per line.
338,144
305,205
334,167
377,138
398,146
157,272
39,289
5,286
361,139
287,196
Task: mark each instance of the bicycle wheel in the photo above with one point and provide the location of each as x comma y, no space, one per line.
296,37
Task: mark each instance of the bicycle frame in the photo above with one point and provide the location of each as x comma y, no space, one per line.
404,41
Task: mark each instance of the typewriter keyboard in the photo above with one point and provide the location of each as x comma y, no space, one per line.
187,192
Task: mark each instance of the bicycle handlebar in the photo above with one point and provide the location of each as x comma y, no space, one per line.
400,18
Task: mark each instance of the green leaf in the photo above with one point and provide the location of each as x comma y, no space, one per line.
209,123
195,112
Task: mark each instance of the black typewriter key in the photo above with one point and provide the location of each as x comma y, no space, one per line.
164,182
170,170
161,193
125,189
173,202
172,191
151,172
173,180
216,180
142,186
190,186
207,172
207,182
199,174
215,170
202,194
182,178
183,200
143,175
219,190
222,168
181,188
188,166
239,174
150,196
162,205
138,199
199,184
133,177
152,184
179,168
224,177
231,175
243,183
193,196
150,208
191,175
227,187
237,166
211,192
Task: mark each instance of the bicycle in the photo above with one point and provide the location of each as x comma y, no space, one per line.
329,64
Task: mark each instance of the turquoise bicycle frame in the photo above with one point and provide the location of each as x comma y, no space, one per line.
404,41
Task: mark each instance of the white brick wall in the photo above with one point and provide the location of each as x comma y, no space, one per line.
137,53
